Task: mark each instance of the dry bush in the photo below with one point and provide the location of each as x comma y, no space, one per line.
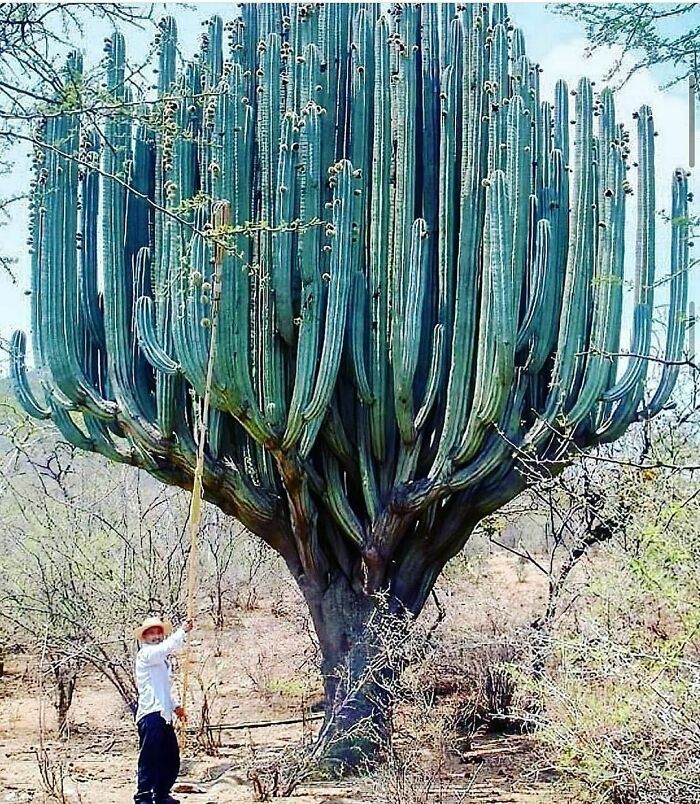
490,668
417,776
621,689
629,732
55,778
211,714
431,729
238,570
474,685
88,549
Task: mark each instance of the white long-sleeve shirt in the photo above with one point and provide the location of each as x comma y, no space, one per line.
154,676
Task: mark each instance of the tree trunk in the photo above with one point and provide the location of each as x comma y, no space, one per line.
65,672
362,640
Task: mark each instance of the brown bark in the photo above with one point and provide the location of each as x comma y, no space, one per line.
360,638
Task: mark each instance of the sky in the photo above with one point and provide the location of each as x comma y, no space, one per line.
556,42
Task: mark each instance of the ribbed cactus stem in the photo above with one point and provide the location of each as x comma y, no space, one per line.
20,383
677,317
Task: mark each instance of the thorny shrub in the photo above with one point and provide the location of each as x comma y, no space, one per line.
621,690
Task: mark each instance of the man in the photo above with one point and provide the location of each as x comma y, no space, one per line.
159,754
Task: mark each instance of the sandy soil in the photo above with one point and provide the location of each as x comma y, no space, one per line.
258,670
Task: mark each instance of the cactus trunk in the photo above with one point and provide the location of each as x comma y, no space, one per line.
358,670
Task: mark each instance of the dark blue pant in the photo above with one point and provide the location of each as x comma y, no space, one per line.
159,759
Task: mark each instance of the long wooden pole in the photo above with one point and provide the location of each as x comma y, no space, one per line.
221,218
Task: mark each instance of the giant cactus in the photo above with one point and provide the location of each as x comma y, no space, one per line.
420,280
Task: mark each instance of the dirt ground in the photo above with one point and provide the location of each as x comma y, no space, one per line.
257,671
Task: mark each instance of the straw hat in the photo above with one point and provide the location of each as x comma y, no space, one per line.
153,622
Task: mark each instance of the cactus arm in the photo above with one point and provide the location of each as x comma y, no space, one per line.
335,435
499,12
310,87
378,246
18,377
474,152
102,442
427,202
337,503
139,213
148,338
678,294
338,293
401,267
499,444
541,275
405,367
270,378
166,385
216,432
191,307
613,343
169,387
433,383
544,140
167,54
637,365
362,85
89,297
496,324
244,41
429,131
518,180
213,49
499,89
187,252
368,477
445,20
362,93
283,241
69,429
448,183
37,247
407,462
326,95
518,44
311,289
358,335
491,457
561,120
